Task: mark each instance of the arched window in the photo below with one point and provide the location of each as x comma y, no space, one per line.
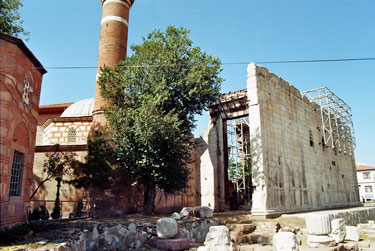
72,135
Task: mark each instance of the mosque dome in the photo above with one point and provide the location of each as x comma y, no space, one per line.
80,108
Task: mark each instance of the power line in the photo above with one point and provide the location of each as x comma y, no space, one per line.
225,63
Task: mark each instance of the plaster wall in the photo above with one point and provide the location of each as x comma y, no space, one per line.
289,173
366,185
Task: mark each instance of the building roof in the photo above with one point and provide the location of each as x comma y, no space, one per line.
80,108
62,105
25,50
364,168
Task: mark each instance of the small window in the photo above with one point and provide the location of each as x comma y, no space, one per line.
15,179
366,175
311,138
368,189
72,135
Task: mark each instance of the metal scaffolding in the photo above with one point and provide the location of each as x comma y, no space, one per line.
239,150
337,125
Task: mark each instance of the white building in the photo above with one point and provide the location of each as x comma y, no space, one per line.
366,182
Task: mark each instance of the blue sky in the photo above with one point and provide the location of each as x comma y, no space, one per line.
66,33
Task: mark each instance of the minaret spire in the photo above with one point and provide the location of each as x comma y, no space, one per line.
112,44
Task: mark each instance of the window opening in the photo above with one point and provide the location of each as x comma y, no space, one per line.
311,138
72,135
368,189
366,175
15,179
239,173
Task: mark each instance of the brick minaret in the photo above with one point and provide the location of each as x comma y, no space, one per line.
112,44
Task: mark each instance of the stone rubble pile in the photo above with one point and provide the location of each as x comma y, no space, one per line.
170,233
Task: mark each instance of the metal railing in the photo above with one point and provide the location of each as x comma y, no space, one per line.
68,208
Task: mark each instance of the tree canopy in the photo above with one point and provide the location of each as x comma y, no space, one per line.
153,97
10,20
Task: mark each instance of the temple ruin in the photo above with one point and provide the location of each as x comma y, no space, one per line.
291,151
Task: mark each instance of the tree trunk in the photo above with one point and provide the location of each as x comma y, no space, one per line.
40,184
56,209
149,200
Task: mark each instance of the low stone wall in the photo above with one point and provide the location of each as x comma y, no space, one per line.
351,216
109,236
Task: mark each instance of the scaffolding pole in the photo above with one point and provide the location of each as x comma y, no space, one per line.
336,115
238,146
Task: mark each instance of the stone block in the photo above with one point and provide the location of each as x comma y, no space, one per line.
172,244
351,246
352,233
257,239
132,228
285,241
318,224
186,212
217,235
243,228
320,241
203,212
338,230
176,216
236,236
166,228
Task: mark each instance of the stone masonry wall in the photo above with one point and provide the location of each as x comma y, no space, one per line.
20,85
289,172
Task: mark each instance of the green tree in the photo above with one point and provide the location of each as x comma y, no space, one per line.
57,165
153,97
96,171
10,20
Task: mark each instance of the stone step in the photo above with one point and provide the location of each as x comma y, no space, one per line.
242,228
257,239
253,247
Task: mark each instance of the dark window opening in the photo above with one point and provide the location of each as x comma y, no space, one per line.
15,179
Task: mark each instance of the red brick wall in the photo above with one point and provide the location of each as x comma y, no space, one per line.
17,123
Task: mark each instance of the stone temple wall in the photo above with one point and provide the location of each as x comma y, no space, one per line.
290,171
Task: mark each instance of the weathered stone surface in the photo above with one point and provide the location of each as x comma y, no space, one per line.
243,228
218,238
132,228
257,239
351,246
176,216
338,230
166,228
254,247
186,212
236,236
318,241
173,244
318,224
203,212
217,248
217,235
62,247
285,241
288,229
352,233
